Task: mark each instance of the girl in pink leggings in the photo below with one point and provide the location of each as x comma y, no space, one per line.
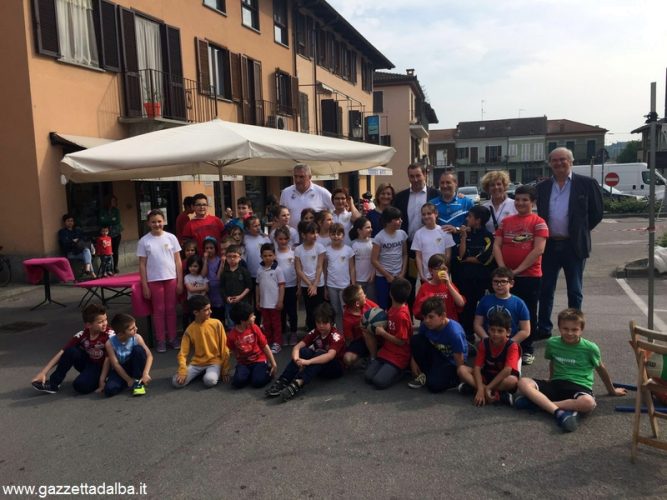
161,278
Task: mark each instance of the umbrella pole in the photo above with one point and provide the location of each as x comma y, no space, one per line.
221,193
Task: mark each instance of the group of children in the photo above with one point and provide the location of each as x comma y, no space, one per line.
228,282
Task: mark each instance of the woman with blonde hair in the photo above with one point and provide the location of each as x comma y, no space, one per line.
495,183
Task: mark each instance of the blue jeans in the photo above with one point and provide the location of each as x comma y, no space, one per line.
257,374
557,255
528,289
134,366
332,369
89,377
440,373
84,256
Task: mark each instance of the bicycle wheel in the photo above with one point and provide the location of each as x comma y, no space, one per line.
5,271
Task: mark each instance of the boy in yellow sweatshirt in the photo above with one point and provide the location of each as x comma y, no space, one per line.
207,339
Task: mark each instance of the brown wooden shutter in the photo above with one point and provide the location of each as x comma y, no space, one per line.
203,73
106,32
329,117
294,87
259,99
247,112
131,78
235,72
173,83
46,29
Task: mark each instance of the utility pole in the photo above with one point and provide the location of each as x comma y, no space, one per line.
652,119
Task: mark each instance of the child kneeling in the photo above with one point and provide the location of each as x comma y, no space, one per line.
319,353
250,347
572,362
496,373
129,357
208,341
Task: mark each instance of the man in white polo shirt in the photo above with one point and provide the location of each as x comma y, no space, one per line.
304,194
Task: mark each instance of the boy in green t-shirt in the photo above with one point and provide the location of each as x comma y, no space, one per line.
572,361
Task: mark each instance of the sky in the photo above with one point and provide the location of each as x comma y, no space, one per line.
590,61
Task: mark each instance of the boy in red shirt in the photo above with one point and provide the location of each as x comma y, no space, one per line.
318,353
497,365
356,304
394,355
250,347
519,245
104,250
85,351
440,286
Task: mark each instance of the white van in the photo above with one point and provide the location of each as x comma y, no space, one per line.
633,178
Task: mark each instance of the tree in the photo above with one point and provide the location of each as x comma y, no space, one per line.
629,154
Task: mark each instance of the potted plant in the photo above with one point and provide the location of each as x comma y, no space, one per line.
152,103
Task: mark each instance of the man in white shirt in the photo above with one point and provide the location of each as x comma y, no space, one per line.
304,194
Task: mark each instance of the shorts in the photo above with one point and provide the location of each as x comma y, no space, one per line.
488,375
559,390
358,347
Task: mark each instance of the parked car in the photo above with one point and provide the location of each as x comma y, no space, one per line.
470,192
616,195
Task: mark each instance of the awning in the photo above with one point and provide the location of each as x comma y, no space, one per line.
376,171
81,141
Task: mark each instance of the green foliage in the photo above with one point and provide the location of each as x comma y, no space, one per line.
629,206
662,241
629,154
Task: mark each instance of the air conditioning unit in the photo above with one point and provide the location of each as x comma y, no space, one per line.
274,121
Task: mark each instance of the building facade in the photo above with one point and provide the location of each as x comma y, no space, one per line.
86,71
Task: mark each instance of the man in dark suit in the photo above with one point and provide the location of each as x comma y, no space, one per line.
572,206
410,202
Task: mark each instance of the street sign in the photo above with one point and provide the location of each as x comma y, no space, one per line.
611,179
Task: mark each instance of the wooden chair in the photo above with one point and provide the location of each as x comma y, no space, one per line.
644,343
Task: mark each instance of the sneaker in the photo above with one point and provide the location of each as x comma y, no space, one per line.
45,387
527,358
274,390
162,346
418,382
138,389
174,344
523,403
290,391
275,348
567,420
465,389
503,397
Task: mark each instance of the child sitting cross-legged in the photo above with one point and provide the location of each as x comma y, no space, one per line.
572,361
394,355
250,347
318,354
207,340
439,349
496,372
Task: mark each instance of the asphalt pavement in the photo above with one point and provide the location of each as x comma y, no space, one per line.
336,439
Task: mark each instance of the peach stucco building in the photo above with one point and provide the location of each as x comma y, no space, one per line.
84,71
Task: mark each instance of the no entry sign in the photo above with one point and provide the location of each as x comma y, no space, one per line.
611,179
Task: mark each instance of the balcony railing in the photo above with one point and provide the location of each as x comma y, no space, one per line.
267,114
153,94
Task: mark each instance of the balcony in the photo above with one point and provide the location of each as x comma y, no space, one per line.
152,99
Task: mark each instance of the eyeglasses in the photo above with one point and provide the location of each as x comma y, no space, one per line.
201,204
500,282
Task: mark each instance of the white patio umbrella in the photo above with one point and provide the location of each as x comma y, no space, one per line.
218,147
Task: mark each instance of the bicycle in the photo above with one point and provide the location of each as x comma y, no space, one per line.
5,269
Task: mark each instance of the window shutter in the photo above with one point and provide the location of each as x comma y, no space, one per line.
235,72
294,84
259,99
329,117
248,115
131,78
303,112
46,30
203,73
173,82
378,101
106,30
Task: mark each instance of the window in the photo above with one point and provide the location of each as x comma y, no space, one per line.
366,76
286,86
250,13
570,145
538,151
304,34
494,154
552,146
474,154
512,150
462,153
353,67
322,47
590,148
378,101
76,32
303,112
525,152
213,69
474,178
280,21
216,4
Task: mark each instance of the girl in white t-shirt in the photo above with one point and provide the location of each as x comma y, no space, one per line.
430,240
338,270
362,246
285,259
323,219
309,260
161,274
390,254
281,217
